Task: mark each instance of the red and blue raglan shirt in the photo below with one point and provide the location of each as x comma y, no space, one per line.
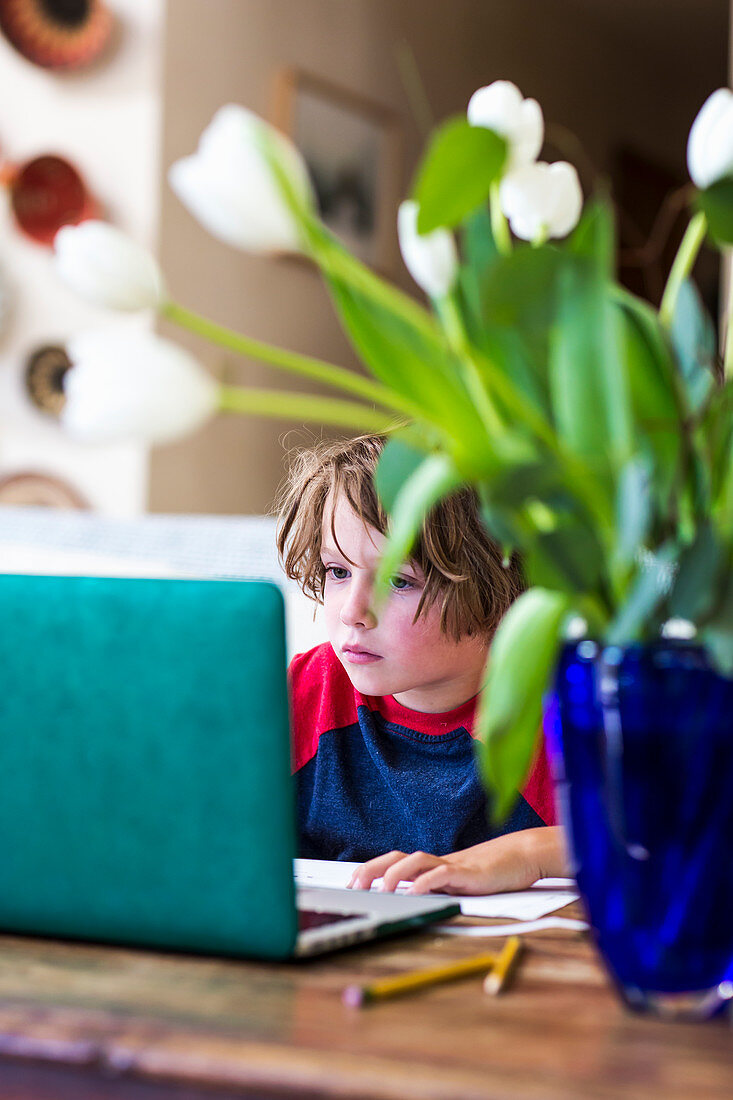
373,775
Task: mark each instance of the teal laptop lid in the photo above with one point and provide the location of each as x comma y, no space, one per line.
145,763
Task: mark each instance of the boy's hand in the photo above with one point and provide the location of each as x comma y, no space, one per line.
510,862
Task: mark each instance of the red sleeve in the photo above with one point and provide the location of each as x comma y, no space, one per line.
538,790
321,699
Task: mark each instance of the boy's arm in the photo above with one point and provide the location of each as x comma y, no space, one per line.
510,862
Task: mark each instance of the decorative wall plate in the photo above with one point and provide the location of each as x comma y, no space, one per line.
56,34
39,490
46,193
44,378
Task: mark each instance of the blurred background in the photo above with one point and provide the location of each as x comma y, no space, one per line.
357,83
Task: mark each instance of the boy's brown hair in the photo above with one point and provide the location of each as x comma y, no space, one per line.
463,568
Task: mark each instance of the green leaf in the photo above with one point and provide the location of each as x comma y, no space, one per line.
716,428
634,508
716,202
568,559
588,373
717,634
724,493
456,174
479,247
500,525
593,237
646,321
521,662
651,586
538,476
429,482
521,362
520,290
397,463
694,342
697,583
656,391
412,361
561,550
518,309
480,254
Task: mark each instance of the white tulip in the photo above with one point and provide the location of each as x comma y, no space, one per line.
542,200
431,258
500,107
230,187
710,144
127,384
106,267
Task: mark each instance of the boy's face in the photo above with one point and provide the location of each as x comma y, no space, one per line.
423,668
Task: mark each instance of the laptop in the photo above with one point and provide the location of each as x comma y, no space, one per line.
147,796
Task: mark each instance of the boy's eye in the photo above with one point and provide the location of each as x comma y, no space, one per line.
400,583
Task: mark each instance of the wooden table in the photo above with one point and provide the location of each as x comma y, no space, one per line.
80,1021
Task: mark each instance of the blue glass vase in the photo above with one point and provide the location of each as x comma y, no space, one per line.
641,740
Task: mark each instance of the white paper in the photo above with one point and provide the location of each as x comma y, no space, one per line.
323,872
524,905
516,929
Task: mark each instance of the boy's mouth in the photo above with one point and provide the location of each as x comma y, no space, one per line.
355,655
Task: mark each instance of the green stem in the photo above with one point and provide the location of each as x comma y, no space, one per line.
335,260
541,237
499,227
728,361
452,322
305,365
683,264
281,405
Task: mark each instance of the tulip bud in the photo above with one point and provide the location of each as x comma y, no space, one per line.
500,107
128,384
106,267
431,258
542,200
710,144
230,187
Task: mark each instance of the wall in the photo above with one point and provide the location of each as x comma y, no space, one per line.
608,77
106,121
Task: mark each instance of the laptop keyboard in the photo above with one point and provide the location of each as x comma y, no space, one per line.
312,918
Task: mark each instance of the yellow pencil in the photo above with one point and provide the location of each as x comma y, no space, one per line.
503,969
357,995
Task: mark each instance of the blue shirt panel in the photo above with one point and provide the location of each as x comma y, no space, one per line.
375,786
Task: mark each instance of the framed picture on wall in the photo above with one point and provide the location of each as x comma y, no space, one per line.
353,151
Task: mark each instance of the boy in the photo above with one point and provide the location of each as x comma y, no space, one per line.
383,712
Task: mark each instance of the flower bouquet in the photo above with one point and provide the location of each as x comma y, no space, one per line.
596,430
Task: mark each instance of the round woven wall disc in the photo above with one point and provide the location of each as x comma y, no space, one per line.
57,34
44,378
39,490
47,193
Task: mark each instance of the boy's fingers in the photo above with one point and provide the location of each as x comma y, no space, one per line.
455,878
364,876
407,868
440,879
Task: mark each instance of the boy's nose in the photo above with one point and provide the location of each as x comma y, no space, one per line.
356,610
